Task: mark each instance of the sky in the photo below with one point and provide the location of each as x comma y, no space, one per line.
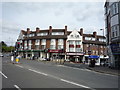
17,16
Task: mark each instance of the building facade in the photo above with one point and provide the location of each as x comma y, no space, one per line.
62,44
74,46
49,43
112,25
94,47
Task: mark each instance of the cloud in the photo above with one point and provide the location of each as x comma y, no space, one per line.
20,15
10,32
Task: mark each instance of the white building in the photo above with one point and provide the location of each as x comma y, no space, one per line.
74,47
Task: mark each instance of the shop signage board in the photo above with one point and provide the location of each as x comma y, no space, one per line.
74,53
55,51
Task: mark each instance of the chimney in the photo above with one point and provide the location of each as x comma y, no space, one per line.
50,30
37,30
65,30
94,34
81,31
28,30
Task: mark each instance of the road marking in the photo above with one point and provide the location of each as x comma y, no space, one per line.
19,66
17,87
3,75
38,72
100,73
90,71
75,83
61,79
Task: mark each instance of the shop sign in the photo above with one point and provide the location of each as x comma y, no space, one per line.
55,51
74,53
94,57
115,48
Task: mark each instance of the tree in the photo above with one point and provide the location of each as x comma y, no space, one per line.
3,43
6,48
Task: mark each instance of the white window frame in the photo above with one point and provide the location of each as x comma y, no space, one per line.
43,42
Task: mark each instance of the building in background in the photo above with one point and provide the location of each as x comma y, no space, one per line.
112,25
42,43
94,47
74,46
62,44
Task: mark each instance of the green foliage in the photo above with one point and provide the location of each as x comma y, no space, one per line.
6,48
3,43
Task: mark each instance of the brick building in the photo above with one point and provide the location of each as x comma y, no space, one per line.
94,47
61,44
43,43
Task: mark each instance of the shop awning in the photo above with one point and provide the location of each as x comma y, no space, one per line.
94,56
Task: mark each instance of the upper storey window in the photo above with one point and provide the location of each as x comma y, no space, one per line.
57,33
87,38
42,34
30,35
60,42
102,40
114,8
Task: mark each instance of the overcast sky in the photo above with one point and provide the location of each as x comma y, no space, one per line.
76,15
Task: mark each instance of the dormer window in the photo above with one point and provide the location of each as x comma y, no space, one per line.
77,36
71,35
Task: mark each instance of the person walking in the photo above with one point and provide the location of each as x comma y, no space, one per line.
12,58
17,58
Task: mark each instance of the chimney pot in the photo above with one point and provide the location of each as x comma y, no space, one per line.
95,33
28,30
65,30
81,31
50,30
37,29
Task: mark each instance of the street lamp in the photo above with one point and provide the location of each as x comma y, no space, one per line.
103,33
103,45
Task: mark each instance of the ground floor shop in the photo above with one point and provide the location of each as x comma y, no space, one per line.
99,60
75,57
114,54
46,54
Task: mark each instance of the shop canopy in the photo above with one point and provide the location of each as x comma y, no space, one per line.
93,56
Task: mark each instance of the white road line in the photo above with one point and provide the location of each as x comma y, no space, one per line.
38,72
17,87
3,75
90,71
19,66
60,79
100,73
75,83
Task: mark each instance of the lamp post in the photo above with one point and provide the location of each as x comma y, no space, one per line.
103,33
103,44
103,40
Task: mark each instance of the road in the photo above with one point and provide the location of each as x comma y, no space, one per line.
37,74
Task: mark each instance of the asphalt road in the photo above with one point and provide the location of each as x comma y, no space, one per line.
37,74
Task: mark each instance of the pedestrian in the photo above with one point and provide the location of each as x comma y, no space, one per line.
17,58
12,58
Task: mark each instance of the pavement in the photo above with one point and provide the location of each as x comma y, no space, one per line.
100,69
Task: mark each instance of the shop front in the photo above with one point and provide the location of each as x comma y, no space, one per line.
56,54
94,58
115,48
75,57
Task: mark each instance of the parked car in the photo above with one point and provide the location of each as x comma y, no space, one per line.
67,60
1,55
43,59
